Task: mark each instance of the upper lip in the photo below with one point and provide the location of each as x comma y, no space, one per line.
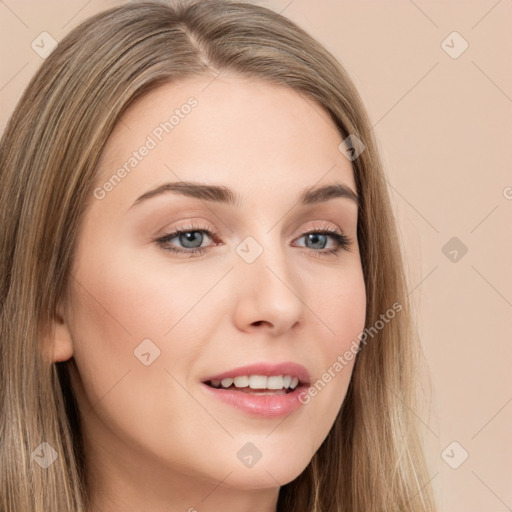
266,369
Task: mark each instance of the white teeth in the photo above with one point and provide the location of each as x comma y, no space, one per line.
275,382
242,382
226,382
258,382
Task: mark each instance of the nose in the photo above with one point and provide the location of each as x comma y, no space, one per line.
268,295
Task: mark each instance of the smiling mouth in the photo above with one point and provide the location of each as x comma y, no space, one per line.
258,384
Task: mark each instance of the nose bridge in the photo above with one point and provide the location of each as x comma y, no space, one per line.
269,290
265,258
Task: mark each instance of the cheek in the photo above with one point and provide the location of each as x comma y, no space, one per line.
134,297
341,310
137,318
345,307
120,306
339,305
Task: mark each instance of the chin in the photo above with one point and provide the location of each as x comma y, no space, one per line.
264,475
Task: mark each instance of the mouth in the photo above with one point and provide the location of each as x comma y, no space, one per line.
264,390
258,384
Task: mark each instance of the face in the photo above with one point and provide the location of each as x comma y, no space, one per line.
177,286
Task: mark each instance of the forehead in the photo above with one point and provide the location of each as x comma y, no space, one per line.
239,131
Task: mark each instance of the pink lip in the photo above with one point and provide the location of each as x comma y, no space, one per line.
268,406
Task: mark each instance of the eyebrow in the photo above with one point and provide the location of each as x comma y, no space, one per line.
222,194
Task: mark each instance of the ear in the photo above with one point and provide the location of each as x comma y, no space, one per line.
59,347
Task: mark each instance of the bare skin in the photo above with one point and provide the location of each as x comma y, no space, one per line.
155,440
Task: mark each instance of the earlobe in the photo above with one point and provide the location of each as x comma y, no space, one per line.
60,344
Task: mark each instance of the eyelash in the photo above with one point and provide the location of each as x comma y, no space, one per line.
341,239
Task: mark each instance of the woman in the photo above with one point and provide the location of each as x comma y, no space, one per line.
203,304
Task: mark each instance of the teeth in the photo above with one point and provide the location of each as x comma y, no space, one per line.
275,382
242,382
258,382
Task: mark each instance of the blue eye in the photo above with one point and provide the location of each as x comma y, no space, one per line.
319,240
191,239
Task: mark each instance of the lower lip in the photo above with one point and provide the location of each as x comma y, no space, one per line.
269,406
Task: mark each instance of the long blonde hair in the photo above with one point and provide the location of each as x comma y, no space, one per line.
372,459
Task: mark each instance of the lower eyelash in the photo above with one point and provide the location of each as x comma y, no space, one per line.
342,240
189,252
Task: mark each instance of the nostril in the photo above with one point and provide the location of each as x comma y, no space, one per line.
259,322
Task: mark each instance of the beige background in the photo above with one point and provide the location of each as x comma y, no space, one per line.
444,127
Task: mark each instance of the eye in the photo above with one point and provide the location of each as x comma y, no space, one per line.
317,240
190,237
